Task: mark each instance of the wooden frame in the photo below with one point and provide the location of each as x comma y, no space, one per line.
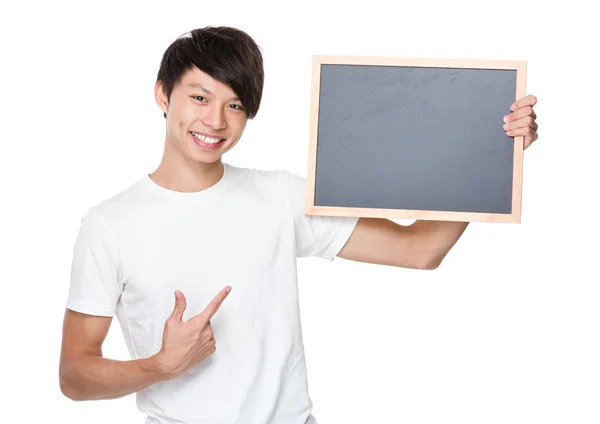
311,209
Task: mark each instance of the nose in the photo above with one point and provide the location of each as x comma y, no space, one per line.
214,118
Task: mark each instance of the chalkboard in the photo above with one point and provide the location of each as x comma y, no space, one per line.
414,138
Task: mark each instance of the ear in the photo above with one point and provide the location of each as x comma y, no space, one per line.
160,97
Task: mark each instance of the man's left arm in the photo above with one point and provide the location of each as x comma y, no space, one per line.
424,244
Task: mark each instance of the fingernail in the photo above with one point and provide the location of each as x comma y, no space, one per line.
512,107
505,126
506,118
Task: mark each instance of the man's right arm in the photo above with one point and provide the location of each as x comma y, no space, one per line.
86,375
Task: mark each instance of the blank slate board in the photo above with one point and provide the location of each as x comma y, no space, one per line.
414,139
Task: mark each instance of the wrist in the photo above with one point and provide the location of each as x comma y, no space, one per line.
156,365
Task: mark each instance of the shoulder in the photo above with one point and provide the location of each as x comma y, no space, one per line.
276,179
265,176
108,212
254,174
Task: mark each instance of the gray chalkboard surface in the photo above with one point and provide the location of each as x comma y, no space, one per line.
414,138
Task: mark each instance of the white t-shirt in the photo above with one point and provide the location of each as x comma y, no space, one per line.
134,249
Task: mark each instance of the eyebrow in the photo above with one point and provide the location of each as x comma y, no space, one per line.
205,90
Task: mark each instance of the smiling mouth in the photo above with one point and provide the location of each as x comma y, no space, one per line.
205,139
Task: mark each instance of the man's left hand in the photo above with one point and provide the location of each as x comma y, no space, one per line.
521,121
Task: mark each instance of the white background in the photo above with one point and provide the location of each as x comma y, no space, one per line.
506,330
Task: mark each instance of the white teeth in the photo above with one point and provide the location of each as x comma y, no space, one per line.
208,140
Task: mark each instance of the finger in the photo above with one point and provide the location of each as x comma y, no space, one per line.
520,113
527,140
207,333
527,132
529,100
180,303
205,351
210,348
525,122
213,306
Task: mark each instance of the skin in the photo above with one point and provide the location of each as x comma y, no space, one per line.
212,108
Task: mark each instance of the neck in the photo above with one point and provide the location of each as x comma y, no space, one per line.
185,175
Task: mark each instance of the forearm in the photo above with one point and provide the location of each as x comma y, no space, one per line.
440,237
90,377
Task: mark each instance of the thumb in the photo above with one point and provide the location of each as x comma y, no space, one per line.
180,303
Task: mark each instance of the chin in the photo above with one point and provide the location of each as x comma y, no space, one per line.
206,158
198,156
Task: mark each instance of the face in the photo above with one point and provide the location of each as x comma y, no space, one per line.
205,118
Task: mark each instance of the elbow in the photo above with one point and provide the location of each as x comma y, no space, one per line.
429,266
430,263
67,388
68,391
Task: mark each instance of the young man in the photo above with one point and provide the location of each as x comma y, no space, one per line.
157,253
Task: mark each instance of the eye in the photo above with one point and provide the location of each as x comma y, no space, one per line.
236,106
199,98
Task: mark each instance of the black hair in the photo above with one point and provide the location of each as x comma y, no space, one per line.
227,54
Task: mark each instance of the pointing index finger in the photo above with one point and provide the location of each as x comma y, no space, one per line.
214,305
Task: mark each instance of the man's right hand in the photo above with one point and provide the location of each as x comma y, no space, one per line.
187,343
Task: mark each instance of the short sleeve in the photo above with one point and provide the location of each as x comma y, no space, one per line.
321,236
95,283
